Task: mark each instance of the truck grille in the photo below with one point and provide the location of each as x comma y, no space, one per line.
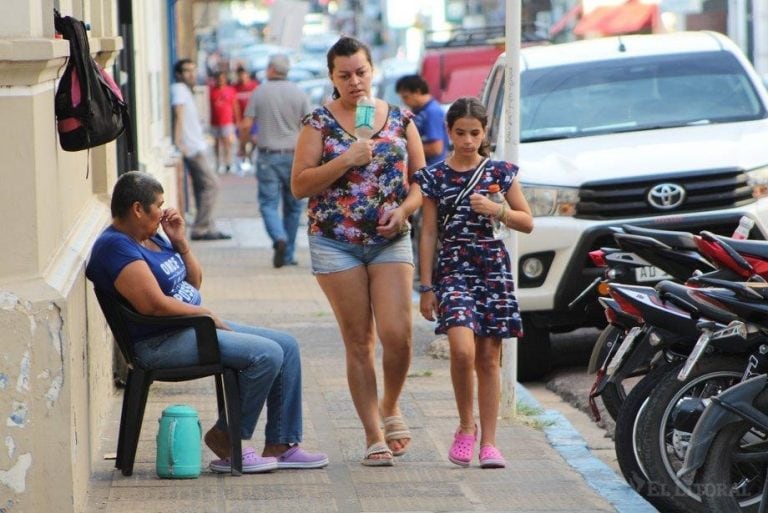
703,190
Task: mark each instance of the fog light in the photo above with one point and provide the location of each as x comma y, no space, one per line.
532,268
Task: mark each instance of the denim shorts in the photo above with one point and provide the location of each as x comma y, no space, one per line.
332,256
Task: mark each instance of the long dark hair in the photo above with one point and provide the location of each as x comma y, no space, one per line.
346,47
470,107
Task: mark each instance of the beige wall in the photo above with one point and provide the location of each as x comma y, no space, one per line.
56,386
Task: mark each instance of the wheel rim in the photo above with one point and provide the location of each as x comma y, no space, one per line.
748,477
700,387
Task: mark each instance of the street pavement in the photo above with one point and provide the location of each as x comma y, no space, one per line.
550,466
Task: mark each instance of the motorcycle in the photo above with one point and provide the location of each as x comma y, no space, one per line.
728,449
643,256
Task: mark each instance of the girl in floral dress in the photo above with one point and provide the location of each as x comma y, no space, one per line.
470,287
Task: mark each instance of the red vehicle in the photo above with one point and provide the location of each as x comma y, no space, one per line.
457,62
458,65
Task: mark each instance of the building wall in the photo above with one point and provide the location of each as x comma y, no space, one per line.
56,378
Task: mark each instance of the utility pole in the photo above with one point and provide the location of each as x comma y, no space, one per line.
511,151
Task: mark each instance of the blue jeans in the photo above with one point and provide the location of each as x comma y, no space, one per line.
269,366
273,172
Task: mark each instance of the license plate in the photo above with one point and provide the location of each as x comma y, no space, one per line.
650,273
698,350
626,344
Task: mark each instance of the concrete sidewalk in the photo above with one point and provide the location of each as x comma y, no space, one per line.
550,468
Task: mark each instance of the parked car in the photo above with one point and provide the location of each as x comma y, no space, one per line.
456,63
663,131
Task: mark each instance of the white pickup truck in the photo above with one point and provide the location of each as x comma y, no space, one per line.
662,131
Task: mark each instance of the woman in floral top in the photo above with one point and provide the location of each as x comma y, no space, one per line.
359,204
471,288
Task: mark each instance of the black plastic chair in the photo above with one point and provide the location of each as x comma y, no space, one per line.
117,312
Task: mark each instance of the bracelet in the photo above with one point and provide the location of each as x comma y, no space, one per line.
425,288
503,214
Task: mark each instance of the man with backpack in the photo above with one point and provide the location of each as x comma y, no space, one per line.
189,138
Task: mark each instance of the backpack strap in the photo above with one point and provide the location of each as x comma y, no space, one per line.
73,30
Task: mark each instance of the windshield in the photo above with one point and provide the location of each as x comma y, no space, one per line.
635,94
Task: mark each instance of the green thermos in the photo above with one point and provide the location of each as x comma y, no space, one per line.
178,443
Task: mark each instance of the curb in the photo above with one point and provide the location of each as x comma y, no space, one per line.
574,450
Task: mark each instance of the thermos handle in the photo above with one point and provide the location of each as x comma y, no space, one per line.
171,438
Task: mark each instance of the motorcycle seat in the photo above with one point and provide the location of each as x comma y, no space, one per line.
681,240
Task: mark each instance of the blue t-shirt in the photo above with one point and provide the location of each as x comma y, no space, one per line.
430,121
113,250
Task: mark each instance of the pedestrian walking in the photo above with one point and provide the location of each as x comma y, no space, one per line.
244,86
189,138
429,117
278,106
470,288
359,203
225,117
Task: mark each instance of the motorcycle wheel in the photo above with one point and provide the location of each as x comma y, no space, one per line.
614,394
661,449
534,351
729,485
625,433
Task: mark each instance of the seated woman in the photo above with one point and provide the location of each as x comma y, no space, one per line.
160,276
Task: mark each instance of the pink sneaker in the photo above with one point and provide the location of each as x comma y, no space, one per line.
490,457
462,448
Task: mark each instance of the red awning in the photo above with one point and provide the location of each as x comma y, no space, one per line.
632,16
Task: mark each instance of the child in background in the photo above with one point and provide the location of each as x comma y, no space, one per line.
471,288
225,116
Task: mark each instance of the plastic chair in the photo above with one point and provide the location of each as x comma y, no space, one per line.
118,312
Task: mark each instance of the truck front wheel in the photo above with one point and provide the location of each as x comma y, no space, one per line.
534,351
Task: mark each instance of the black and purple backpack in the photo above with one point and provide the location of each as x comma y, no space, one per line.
89,106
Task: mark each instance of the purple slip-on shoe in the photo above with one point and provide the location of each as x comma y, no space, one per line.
296,457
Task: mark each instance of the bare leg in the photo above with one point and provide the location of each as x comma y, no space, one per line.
347,292
391,300
218,441
487,364
462,345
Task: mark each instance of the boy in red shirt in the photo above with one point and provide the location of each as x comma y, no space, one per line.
245,86
225,115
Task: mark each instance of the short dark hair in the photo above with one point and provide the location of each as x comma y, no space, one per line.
412,84
346,47
131,187
179,66
469,107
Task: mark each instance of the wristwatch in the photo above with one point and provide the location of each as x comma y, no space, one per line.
425,288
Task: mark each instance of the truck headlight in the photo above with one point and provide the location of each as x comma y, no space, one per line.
758,180
551,201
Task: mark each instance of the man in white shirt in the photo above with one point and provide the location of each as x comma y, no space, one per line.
189,138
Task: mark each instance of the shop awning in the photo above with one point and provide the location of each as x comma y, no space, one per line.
632,16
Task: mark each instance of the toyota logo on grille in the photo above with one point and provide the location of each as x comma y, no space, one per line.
666,196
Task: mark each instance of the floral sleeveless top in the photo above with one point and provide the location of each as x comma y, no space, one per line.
348,211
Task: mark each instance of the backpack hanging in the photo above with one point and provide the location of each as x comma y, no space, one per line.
89,106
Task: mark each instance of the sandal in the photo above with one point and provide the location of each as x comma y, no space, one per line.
378,448
462,448
252,463
490,457
395,428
